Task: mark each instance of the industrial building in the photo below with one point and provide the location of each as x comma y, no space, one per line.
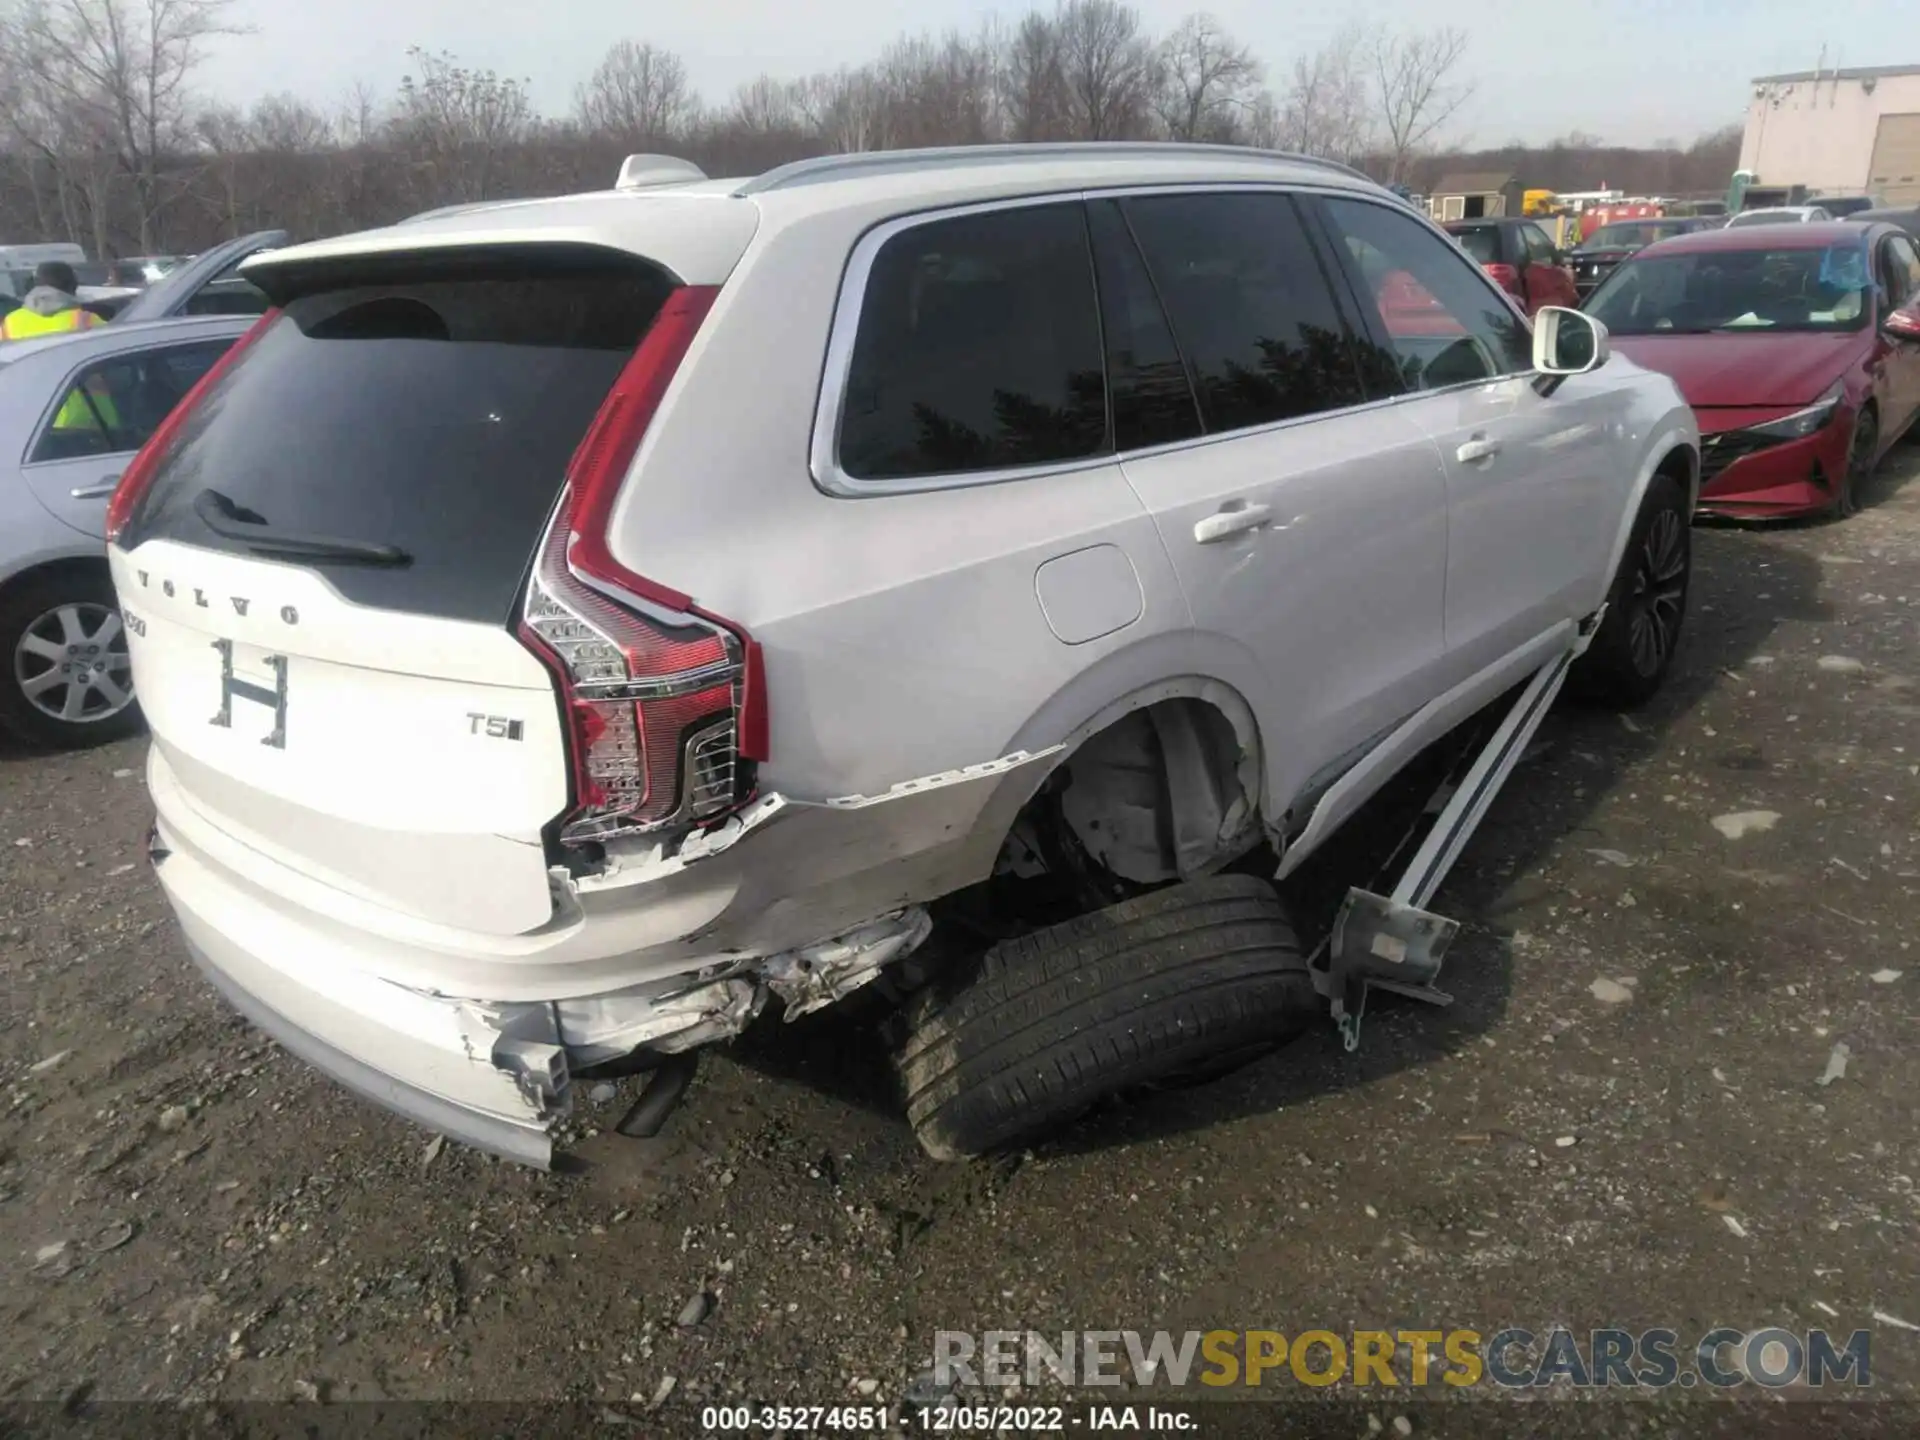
1840,131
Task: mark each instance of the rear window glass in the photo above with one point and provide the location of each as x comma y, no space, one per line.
435,415
1482,244
978,349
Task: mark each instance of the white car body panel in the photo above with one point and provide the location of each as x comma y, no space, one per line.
1345,581
383,883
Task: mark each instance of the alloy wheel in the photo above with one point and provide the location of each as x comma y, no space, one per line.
72,664
1659,592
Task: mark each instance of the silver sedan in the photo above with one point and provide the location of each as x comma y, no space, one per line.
73,410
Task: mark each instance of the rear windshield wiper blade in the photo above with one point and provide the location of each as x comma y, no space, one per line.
227,518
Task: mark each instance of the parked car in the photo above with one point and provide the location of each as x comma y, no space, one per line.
1593,259
1840,207
143,270
19,260
1907,220
1798,346
73,409
1007,594
1777,215
1521,258
207,284
102,289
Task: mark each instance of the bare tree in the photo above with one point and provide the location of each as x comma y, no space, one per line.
1207,82
1328,108
637,92
111,76
358,115
764,106
1034,82
1082,68
847,111
287,125
1417,89
456,124
1109,68
941,91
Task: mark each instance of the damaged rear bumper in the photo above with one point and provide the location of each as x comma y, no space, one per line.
497,1074
475,1104
494,1075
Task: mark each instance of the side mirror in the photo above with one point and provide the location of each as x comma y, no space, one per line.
1904,323
1568,342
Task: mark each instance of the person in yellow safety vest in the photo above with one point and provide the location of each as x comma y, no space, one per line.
52,308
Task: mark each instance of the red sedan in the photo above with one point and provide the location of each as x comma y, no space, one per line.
1798,347
1520,258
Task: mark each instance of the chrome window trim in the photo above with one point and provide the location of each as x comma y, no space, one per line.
823,450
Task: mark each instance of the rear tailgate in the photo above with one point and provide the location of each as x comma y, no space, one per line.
354,703
409,760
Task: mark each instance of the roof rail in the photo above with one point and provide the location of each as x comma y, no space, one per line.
881,162
642,172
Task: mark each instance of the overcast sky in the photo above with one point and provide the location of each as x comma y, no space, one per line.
1631,71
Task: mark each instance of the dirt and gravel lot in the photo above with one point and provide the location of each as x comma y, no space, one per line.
1673,923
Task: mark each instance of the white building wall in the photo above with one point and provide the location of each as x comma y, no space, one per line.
1820,133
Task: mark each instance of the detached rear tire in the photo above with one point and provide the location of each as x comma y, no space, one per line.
1151,990
1629,658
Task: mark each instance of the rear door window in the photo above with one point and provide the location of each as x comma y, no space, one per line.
1153,401
433,411
1250,306
978,349
115,405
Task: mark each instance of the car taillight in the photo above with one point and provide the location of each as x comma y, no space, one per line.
664,702
1506,277
135,479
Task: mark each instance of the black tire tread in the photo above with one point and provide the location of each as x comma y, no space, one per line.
1040,1027
1606,675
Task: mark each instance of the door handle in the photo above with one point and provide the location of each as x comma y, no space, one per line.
100,490
1477,449
1226,523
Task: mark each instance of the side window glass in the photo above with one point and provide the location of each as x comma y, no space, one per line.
1903,270
978,349
115,405
1249,304
1539,247
1446,323
1153,402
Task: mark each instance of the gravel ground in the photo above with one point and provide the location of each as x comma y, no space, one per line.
1621,1121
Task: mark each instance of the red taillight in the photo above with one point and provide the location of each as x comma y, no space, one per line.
1506,277
135,479
663,699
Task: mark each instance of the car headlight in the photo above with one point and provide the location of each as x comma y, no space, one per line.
1802,423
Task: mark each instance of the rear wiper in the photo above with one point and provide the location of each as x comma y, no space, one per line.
235,522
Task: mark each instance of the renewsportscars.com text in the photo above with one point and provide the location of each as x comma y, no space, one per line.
1514,1358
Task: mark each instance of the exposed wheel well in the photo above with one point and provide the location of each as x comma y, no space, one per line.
1164,792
